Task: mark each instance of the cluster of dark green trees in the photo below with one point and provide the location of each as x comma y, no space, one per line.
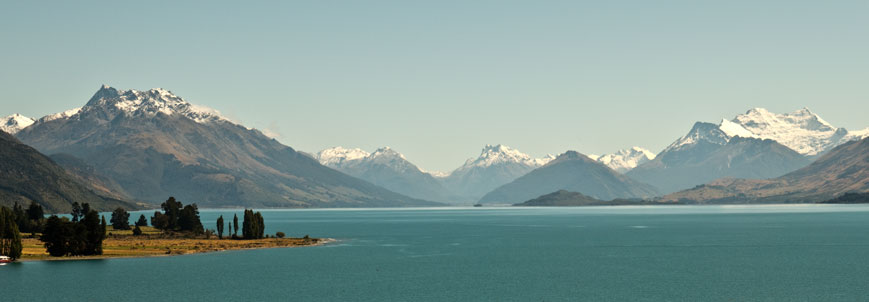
83,235
253,226
19,220
10,237
30,220
120,219
178,217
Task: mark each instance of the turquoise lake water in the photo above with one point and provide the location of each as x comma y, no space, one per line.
675,253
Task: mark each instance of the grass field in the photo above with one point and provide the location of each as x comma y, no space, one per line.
122,243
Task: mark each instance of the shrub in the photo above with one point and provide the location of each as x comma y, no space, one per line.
280,234
137,231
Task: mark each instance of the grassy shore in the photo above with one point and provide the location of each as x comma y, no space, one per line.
122,244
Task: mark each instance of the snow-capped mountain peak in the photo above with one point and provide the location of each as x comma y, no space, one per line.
386,152
336,156
626,159
343,158
701,132
150,103
498,154
801,130
14,123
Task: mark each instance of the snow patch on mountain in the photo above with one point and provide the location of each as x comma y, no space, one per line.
627,159
14,123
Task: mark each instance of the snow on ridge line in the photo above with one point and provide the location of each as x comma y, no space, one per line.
151,102
15,122
498,154
626,159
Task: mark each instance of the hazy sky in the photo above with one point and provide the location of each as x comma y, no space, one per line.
437,80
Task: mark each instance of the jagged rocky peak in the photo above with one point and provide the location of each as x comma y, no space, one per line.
14,123
149,103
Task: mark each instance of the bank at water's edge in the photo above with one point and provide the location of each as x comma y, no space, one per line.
129,246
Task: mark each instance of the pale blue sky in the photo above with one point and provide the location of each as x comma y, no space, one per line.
437,80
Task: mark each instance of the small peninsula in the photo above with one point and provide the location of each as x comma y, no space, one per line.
153,243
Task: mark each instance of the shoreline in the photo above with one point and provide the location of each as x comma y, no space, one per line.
126,247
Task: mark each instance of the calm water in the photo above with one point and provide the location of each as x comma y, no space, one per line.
679,253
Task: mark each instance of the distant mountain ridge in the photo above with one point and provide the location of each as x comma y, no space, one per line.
154,144
14,123
845,169
708,153
575,172
387,168
496,166
624,160
801,130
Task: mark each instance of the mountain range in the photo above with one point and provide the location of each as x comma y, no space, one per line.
387,168
496,165
147,145
624,160
843,169
571,171
708,153
154,144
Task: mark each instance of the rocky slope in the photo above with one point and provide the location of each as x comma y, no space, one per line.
29,176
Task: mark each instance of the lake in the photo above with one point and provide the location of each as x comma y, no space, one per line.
630,253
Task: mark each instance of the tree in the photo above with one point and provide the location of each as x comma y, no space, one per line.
235,224
172,209
280,235
85,208
58,236
10,237
120,219
188,220
137,231
142,221
35,212
85,237
160,221
76,211
220,227
253,226
95,232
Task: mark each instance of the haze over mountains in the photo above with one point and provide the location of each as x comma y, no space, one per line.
154,145
147,145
